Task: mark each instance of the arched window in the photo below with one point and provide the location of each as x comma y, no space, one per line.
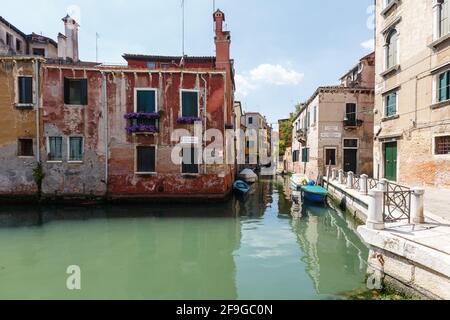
391,49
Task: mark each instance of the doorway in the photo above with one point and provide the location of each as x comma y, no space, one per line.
350,160
390,161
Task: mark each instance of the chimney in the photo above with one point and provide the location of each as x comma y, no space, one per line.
71,39
223,41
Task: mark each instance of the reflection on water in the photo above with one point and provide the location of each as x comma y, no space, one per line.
245,249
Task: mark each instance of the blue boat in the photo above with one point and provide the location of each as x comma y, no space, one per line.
241,187
314,194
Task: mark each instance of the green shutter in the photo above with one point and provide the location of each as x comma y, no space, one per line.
190,104
66,91
84,92
146,159
146,101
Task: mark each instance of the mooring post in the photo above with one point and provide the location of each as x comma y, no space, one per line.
417,206
341,176
350,180
334,174
375,219
363,184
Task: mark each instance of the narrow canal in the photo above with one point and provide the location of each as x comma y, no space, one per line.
262,248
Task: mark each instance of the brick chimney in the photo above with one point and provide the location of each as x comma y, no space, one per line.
223,41
68,43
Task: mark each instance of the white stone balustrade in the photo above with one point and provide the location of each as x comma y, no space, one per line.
375,217
417,206
333,174
383,185
350,180
364,184
341,177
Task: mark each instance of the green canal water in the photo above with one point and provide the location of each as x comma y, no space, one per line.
261,248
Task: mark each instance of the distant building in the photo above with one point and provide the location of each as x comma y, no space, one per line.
412,123
335,126
258,145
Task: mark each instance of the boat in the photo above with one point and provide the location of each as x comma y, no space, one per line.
298,180
248,176
314,194
241,188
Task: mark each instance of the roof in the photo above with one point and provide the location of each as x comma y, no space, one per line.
9,25
169,59
42,39
356,66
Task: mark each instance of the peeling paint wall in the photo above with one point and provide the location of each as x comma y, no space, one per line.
16,173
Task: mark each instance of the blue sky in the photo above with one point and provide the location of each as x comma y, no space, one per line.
283,49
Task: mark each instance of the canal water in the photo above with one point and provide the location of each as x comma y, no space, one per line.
263,247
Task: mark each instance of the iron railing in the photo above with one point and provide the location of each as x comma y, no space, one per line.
397,203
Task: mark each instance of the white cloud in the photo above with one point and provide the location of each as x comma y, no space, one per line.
369,44
267,74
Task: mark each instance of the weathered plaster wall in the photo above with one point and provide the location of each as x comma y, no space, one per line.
15,172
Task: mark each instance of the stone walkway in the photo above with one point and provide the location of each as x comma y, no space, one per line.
437,203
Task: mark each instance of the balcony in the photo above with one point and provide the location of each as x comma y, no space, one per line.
302,136
142,123
352,123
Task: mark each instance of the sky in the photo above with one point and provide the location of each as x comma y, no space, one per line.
283,49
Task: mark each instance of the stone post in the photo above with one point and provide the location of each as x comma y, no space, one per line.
333,174
375,218
341,177
363,184
350,180
417,206
383,185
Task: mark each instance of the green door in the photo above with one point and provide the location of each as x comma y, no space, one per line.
390,161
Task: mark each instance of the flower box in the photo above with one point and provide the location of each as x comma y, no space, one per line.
188,120
141,128
142,116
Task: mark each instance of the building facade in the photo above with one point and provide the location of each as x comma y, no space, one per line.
412,123
258,140
335,126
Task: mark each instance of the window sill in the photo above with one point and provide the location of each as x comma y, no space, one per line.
24,106
390,71
190,175
55,161
390,118
146,173
74,105
440,105
388,8
26,157
437,43
75,162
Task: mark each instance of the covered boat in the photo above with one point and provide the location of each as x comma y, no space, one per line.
248,176
314,194
299,180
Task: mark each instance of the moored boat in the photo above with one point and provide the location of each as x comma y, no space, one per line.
248,176
314,194
241,188
298,180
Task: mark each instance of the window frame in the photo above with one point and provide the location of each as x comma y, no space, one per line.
335,156
388,48
306,157
68,149
434,145
32,148
354,114
145,89
18,103
82,103
136,165
48,149
193,146
385,103
354,148
198,101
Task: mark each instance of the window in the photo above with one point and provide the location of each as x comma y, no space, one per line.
151,65
9,40
189,102
75,91
25,148
350,114
330,156
25,86
165,66
55,148
250,120
305,155
39,52
145,102
75,149
190,163
315,114
442,145
444,86
18,46
146,159
296,156
351,143
444,18
391,104
391,49
308,119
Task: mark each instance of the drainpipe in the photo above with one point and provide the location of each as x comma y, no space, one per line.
204,117
38,113
105,110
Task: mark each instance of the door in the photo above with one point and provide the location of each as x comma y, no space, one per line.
350,160
390,161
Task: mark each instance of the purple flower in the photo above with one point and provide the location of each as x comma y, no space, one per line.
188,120
142,115
141,128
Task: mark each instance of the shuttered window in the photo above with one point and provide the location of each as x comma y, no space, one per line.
330,157
25,90
146,159
146,101
189,104
75,92
55,148
350,113
305,155
190,162
296,156
444,86
76,149
25,147
391,104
